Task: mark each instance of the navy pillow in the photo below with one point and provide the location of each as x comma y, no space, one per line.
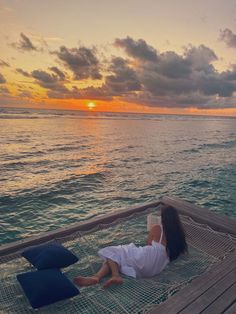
52,255
46,286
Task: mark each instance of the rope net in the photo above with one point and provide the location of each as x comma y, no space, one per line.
206,248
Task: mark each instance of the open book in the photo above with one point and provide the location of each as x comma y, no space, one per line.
153,219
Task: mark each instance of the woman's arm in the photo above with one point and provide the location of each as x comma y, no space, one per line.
154,234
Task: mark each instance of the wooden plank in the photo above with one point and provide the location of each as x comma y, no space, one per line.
231,309
202,215
65,231
214,292
223,302
197,287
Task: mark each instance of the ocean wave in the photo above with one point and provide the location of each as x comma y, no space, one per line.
64,148
211,146
54,172
18,165
14,117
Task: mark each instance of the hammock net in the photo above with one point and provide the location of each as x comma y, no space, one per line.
206,248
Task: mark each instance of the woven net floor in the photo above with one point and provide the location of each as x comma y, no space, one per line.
206,249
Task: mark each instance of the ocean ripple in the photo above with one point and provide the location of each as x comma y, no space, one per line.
63,167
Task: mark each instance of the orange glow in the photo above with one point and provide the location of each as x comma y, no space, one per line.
91,105
120,106
41,101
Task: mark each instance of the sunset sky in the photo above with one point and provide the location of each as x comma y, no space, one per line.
160,56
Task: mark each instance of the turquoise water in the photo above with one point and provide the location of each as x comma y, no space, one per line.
59,167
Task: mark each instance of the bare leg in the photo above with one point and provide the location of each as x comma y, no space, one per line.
93,280
115,276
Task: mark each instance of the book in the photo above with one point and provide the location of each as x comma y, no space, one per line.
152,219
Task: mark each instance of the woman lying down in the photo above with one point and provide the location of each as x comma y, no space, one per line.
164,244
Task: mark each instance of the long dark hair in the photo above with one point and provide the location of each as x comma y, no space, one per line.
174,232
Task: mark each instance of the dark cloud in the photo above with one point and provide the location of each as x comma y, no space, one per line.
2,79
200,58
230,75
168,101
54,83
123,78
57,71
228,37
144,76
4,64
101,93
215,85
167,79
194,98
12,101
45,79
81,61
61,92
147,77
24,44
137,48
173,66
161,85
23,72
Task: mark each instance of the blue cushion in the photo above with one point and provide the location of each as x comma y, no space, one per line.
52,255
46,286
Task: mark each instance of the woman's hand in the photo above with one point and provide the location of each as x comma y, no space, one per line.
154,234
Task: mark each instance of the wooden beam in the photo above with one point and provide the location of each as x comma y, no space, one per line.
203,215
223,302
179,301
231,309
70,229
212,294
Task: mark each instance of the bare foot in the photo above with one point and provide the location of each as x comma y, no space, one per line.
113,281
85,281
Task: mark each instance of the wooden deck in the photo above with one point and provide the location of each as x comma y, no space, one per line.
213,292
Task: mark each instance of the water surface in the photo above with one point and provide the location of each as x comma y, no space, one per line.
59,167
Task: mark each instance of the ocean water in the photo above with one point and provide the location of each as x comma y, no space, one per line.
61,167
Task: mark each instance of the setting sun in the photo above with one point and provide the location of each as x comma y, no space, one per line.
91,105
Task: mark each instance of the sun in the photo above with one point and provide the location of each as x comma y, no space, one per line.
91,105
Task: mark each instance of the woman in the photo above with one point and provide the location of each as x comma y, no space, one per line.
164,244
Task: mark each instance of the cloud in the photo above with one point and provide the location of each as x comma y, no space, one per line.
4,90
228,37
200,58
62,92
143,76
49,81
170,79
25,94
59,73
4,64
23,72
99,93
2,79
171,65
54,83
123,78
166,79
230,75
45,79
25,44
137,49
81,61
13,101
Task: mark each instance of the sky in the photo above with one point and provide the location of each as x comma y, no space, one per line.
152,56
